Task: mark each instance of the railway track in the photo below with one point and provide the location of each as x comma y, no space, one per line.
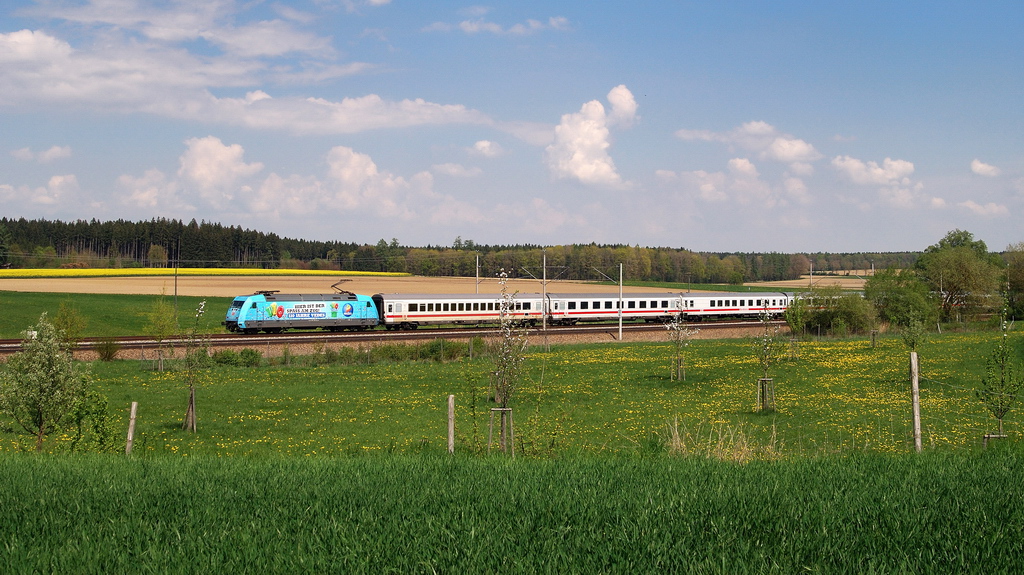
228,340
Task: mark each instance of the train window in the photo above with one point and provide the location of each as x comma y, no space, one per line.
584,305
664,303
445,307
556,306
519,306
462,307
572,305
643,304
654,304
743,302
773,302
391,308
712,303
608,304
527,305
631,304
490,306
253,305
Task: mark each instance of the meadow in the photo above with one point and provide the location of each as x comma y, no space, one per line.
835,395
105,315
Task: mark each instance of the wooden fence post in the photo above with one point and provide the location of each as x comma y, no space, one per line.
451,424
915,395
131,430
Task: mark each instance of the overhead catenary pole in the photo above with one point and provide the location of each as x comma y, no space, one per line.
620,301
544,300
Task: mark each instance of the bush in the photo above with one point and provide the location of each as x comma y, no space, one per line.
107,348
227,357
249,357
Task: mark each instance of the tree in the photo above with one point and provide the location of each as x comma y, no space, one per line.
961,271
796,315
768,349
512,344
5,246
900,296
42,385
1015,279
510,354
70,323
196,358
162,325
679,335
157,256
1002,380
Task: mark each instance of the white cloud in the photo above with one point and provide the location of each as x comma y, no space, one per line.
221,23
743,168
983,169
580,148
797,190
740,183
23,154
623,106
891,172
710,186
487,149
479,25
892,177
53,153
766,140
153,192
45,157
455,170
58,190
127,75
215,170
988,210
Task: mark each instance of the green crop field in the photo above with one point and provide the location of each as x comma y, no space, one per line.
105,315
938,512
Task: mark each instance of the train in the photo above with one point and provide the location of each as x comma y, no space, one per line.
272,312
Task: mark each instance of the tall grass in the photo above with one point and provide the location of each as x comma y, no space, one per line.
939,512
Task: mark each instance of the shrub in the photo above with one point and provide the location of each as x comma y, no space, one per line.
227,357
249,357
107,348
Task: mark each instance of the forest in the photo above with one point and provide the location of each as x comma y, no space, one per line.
161,242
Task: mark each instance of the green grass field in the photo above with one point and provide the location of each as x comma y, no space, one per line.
609,398
938,512
106,315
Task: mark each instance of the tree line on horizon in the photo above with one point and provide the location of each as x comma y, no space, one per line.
159,242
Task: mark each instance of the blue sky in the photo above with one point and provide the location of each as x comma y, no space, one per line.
718,126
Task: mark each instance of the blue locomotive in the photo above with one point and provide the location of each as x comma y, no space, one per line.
273,312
